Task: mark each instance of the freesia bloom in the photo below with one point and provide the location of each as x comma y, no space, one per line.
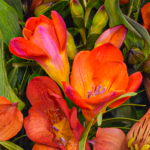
115,35
139,135
108,139
45,42
98,77
11,119
145,11
50,123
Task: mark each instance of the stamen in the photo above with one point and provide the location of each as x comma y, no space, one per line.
130,141
55,128
145,147
95,91
62,139
136,147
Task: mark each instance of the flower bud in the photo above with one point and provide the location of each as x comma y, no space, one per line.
135,56
77,13
100,20
76,8
71,47
146,66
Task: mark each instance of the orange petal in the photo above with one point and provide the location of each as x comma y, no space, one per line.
135,81
11,119
81,76
38,124
74,96
108,139
40,85
146,16
27,50
38,146
60,29
103,53
111,75
140,131
114,35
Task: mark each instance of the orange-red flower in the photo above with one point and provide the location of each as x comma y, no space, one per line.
98,77
145,11
45,42
139,135
50,123
11,119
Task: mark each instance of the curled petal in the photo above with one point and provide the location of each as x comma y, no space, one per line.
38,86
115,36
38,146
11,119
60,29
108,139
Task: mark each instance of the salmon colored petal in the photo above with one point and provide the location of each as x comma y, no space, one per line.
146,16
111,75
3,100
27,50
135,81
43,147
38,124
38,86
108,139
140,132
115,35
103,53
74,96
60,29
11,120
81,76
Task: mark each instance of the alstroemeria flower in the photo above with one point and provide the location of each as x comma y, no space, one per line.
145,11
108,139
115,35
139,135
50,123
45,42
98,77
11,119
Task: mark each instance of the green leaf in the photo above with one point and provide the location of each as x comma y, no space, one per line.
84,136
5,89
9,25
119,119
46,8
17,5
10,145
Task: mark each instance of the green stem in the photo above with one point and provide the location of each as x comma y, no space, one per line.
83,36
87,13
24,64
18,138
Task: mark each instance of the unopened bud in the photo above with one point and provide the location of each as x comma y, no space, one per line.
100,20
146,66
135,56
76,8
71,47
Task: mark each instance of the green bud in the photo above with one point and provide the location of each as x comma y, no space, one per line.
71,47
76,8
100,20
146,66
135,56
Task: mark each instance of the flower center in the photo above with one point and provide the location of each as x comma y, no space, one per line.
96,90
135,147
64,134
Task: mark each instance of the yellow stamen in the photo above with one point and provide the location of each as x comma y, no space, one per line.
136,147
145,147
130,141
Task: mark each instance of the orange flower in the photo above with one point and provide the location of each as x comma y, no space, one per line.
11,119
108,139
45,42
139,135
146,16
50,123
98,77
